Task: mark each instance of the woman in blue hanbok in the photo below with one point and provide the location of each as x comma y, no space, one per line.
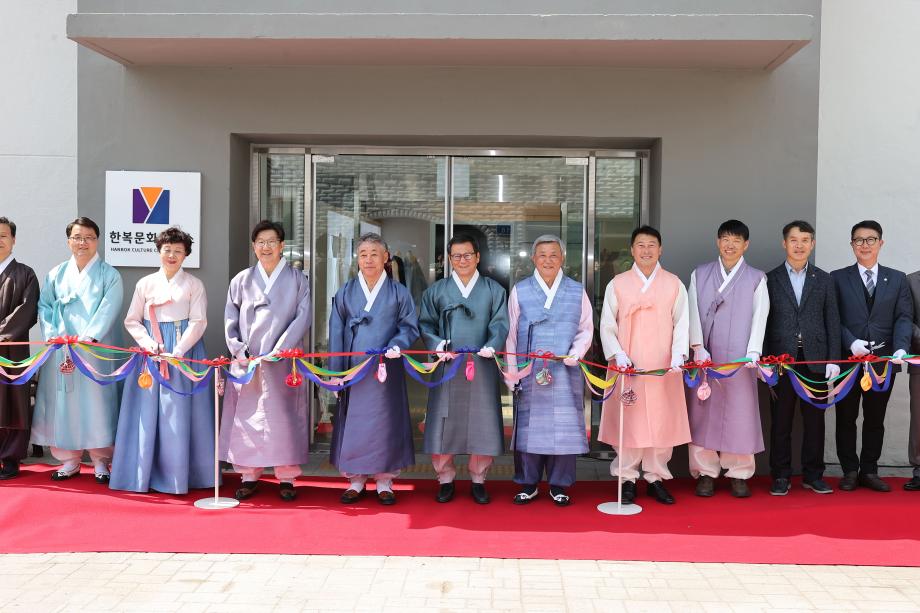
165,439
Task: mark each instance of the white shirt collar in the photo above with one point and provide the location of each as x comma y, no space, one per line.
863,269
549,291
370,295
465,290
726,278
5,263
76,275
269,281
646,281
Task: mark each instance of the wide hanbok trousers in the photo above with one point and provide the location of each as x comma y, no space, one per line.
165,440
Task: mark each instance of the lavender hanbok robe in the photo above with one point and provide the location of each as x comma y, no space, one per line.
465,416
71,411
729,420
265,422
372,432
550,419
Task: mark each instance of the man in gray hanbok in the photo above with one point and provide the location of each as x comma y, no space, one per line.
80,297
465,311
372,432
265,421
549,313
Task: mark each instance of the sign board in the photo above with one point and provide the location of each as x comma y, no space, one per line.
139,205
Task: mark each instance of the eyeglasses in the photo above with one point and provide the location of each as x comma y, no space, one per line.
82,239
172,252
271,244
465,257
859,242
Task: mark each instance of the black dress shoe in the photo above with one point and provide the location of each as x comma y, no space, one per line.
102,479
560,498
480,495
246,490
780,487
705,486
386,498
351,496
10,470
628,494
287,491
913,485
657,491
740,488
446,492
849,482
63,475
818,486
872,481
527,493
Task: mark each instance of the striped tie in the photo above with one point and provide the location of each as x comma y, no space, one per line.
870,284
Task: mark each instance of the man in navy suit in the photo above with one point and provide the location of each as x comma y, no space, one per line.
876,316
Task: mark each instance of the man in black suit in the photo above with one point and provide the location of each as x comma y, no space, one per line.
913,443
876,316
804,322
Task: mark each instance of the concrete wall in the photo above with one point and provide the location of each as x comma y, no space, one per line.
38,135
732,143
869,130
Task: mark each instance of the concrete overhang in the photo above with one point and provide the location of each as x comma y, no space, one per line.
745,41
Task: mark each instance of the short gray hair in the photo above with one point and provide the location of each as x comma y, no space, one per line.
372,237
547,238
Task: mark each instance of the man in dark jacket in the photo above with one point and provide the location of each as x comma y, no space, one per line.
913,444
804,322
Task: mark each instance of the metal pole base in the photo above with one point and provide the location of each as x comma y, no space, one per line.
214,502
615,508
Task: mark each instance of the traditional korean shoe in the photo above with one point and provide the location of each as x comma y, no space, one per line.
780,486
102,479
560,498
873,482
386,497
628,493
287,491
480,495
818,486
657,491
849,482
10,470
246,490
705,486
63,475
526,495
740,488
913,485
351,496
445,492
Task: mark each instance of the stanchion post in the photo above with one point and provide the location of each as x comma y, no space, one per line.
216,502
609,508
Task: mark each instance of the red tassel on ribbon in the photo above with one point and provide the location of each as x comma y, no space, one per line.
470,367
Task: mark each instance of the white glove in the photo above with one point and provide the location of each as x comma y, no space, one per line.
860,348
676,362
439,351
570,361
86,339
622,359
754,358
486,352
700,354
392,353
150,346
831,371
896,357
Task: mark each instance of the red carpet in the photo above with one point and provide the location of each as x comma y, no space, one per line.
861,527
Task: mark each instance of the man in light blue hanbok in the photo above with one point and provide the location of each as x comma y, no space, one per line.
372,434
549,312
81,297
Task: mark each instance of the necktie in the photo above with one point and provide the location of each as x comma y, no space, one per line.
870,284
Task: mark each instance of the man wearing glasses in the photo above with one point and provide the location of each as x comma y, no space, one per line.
265,421
80,297
464,416
876,316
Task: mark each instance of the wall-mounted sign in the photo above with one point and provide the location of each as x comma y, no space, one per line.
139,205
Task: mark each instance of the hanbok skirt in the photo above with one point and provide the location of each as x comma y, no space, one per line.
165,440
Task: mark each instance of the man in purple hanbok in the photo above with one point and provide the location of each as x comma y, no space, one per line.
729,305
372,433
265,422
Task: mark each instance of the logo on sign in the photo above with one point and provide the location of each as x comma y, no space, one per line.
151,205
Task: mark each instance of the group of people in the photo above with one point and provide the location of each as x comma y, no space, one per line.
160,436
